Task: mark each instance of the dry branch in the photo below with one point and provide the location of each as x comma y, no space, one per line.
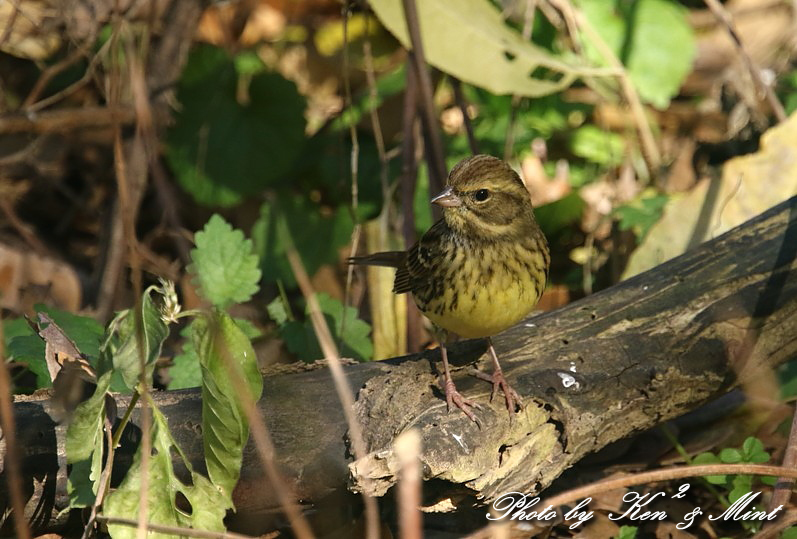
600,369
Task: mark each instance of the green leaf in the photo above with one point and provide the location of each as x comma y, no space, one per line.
730,455
121,347
710,458
29,349
470,40
790,533
627,532
223,265
208,505
84,331
420,203
558,215
652,38
351,334
753,450
278,311
222,346
84,446
642,213
185,372
15,327
598,145
742,484
222,150
317,234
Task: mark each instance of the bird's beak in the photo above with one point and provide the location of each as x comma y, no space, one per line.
447,199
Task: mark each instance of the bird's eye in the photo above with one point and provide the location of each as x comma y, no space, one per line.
481,195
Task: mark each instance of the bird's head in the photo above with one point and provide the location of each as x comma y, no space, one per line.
485,199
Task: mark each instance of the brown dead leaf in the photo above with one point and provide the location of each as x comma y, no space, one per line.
27,278
543,189
750,184
599,527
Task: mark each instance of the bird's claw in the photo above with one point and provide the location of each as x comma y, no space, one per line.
513,401
455,397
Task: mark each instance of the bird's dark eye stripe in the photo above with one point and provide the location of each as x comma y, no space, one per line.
481,195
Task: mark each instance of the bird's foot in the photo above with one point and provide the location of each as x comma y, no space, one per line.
455,397
513,401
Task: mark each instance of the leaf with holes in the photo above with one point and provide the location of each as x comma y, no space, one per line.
470,40
171,502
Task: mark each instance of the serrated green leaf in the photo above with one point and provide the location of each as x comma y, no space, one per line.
222,150
121,348
84,446
221,346
208,504
652,38
186,371
277,311
223,265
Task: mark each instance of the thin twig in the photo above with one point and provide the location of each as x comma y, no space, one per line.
528,24
787,520
66,120
408,450
409,165
650,150
436,161
726,20
11,464
459,97
173,530
330,352
371,509
666,474
783,487
49,73
23,229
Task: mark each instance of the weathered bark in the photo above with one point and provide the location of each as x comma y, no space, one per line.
651,348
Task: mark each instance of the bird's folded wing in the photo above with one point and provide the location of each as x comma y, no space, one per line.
422,259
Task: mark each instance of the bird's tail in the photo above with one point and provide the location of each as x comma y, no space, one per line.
390,259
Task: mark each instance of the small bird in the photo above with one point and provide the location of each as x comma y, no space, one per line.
480,269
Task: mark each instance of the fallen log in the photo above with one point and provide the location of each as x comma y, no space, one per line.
598,370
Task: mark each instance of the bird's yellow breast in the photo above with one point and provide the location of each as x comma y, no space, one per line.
492,294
